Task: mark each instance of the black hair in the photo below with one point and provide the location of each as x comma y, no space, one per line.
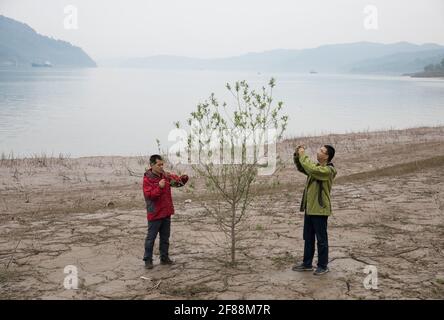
154,158
330,151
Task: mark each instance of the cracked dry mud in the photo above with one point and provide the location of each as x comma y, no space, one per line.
388,204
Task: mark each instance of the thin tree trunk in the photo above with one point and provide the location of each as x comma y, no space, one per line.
233,234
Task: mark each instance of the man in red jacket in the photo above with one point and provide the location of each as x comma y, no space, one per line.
159,204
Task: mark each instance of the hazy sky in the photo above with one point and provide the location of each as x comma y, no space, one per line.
216,28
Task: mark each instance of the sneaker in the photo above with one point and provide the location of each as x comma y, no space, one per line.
148,264
301,267
166,261
319,271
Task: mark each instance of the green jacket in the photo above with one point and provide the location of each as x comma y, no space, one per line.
316,197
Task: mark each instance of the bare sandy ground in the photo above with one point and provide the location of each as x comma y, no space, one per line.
388,203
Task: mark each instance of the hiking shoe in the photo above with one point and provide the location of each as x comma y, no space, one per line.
166,261
148,264
319,271
301,267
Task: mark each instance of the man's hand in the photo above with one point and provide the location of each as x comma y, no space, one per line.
300,150
162,183
184,178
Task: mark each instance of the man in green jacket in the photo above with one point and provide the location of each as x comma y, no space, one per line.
316,204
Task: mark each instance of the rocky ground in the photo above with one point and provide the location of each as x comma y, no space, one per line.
388,202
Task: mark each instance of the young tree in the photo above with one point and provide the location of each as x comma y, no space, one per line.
229,145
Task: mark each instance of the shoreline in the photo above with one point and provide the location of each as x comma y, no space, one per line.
12,155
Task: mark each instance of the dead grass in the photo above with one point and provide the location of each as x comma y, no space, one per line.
35,160
395,170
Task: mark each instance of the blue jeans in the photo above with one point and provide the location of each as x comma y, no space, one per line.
315,226
163,228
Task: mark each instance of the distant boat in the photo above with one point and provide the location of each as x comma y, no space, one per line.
312,71
46,64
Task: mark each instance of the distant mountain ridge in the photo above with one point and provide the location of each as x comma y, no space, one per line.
20,45
365,57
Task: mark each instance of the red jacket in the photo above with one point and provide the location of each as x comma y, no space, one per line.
159,203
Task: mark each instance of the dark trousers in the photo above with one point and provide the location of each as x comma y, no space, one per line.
163,228
315,226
